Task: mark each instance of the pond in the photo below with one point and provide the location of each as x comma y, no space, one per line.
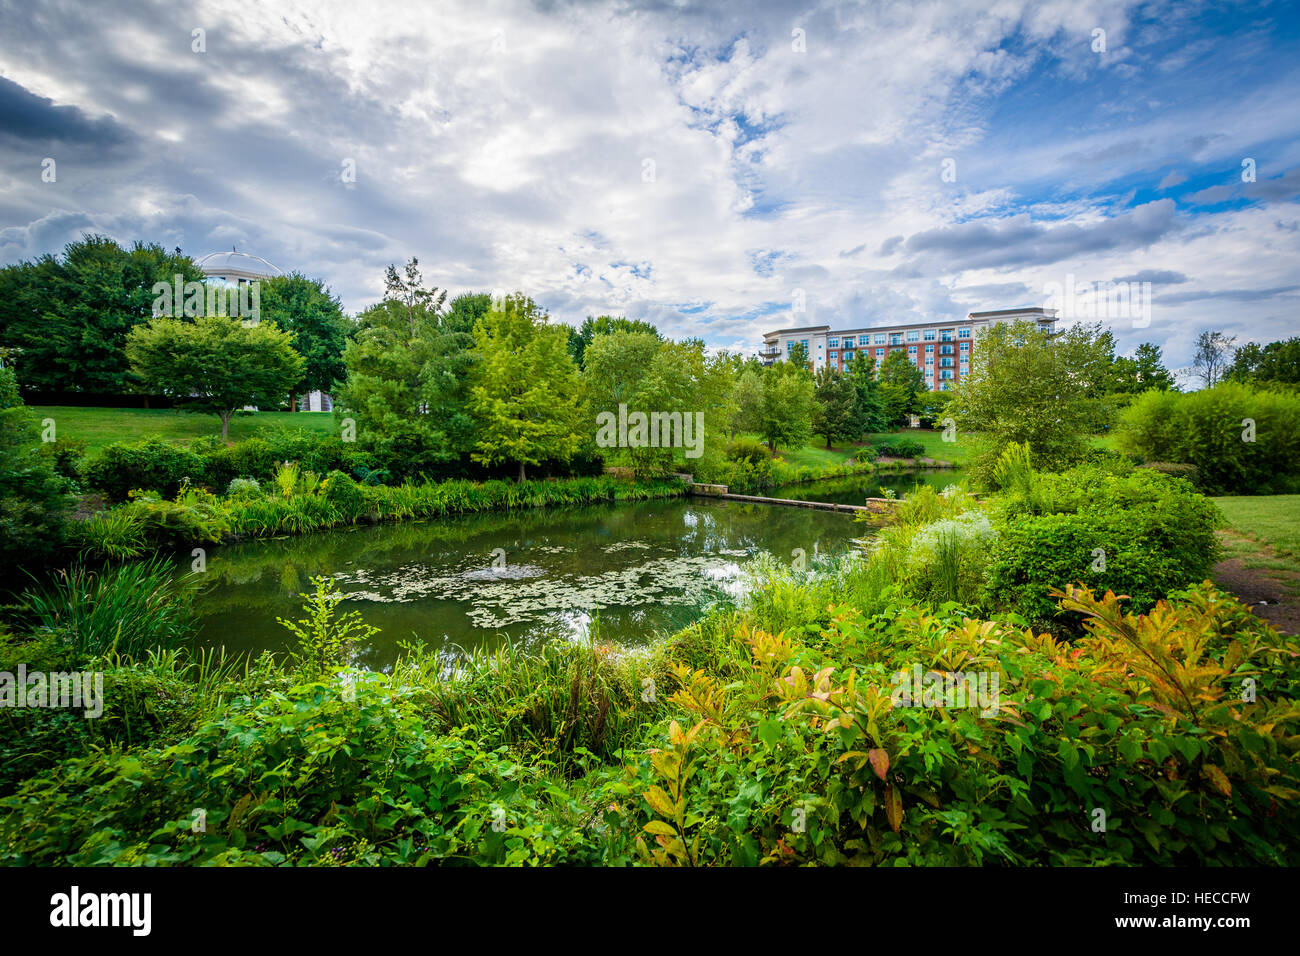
476,581
855,488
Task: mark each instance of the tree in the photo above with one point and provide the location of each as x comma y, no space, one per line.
215,364
1277,363
465,311
785,414
526,395
1144,371
747,399
316,325
836,401
408,373
580,340
70,316
1212,350
34,500
868,410
797,355
900,384
1028,386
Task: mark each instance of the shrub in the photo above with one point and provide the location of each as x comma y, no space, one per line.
900,448
344,496
193,517
1240,439
244,488
1140,534
747,449
324,641
34,499
151,465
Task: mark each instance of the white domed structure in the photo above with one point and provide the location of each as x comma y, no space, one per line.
235,266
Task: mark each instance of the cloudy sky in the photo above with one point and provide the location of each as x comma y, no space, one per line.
695,164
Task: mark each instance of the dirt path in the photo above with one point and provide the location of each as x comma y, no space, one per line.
1260,578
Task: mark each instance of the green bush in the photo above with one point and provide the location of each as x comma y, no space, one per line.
1211,430
747,449
345,496
1139,533
34,499
149,465
900,448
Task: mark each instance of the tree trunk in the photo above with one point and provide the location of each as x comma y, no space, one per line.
521,471
293,401
225,427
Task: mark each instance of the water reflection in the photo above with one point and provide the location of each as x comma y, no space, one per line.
641,569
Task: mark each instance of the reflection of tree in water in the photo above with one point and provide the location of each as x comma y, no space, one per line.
645,568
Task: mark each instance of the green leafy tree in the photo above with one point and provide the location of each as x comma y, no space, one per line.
408,373
34,500
747,399
580,339
868,411
901,382
1144,371
526,394
797,355
834,411
785,415
1277,364
1028,386
70,316
215,364
317,327
465,311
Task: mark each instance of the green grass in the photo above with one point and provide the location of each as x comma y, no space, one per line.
935,447
103,426
1273,520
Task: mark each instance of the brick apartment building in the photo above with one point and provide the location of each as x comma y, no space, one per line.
941,350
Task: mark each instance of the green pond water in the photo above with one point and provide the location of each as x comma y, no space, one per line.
527,577
854,489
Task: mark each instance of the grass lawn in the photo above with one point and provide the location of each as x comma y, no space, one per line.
935,447
1273,520
103,426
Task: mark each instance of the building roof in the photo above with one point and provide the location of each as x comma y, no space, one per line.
1039,309
810,328
236,263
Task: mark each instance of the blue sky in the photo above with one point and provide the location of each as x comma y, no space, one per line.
698,165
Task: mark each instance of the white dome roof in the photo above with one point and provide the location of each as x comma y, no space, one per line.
237,264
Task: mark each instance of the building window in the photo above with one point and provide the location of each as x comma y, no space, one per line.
965,346
946,374
834,354
913,335
896,338
834,343
945,335
929,350
945,349
880,353
880,338
946,362
911,350
848,356
929,335
963,333
804,343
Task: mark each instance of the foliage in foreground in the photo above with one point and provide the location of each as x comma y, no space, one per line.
1176,729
